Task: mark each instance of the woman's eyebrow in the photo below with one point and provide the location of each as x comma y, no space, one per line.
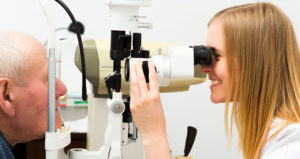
216,49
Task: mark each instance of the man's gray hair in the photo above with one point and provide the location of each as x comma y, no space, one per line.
12,62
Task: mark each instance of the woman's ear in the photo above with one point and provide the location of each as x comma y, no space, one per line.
6,105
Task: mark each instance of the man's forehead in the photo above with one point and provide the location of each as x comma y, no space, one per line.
33,51
26,43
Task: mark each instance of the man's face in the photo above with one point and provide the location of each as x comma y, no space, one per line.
32,100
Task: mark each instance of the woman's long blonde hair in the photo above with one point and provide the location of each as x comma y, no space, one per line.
261,40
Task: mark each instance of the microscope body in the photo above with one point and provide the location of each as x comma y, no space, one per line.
100,66
108,109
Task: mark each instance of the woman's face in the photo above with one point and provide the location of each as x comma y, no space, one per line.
217,71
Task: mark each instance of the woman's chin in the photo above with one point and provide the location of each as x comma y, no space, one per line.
216,100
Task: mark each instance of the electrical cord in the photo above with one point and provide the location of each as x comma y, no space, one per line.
83,70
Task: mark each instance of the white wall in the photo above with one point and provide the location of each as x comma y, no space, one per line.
175,21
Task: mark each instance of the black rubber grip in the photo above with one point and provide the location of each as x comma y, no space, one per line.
146,71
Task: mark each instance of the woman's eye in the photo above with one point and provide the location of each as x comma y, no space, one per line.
217,56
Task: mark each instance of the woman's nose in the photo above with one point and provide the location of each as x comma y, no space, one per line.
206,69
61,88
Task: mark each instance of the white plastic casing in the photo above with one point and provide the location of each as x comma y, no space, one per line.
124,14
182,62
55,144
163,69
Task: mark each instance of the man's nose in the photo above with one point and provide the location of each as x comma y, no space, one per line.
61,88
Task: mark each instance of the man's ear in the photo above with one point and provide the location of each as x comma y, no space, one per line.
5,97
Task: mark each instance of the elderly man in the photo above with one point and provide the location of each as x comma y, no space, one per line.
23,91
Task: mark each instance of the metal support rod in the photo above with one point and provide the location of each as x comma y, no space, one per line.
51,90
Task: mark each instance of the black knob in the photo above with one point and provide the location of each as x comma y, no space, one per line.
190,138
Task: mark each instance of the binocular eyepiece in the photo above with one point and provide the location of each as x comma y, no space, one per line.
203,55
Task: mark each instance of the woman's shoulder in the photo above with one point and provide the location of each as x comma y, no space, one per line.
285,144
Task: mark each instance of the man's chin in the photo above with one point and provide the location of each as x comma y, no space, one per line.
36,137
42,136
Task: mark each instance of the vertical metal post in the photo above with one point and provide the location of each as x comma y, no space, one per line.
51,90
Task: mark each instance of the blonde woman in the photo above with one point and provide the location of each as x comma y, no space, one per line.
256,69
